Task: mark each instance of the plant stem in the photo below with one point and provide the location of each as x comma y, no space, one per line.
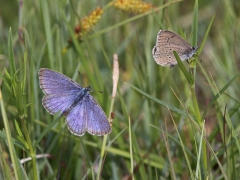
31,150
13,156
197,112
104,142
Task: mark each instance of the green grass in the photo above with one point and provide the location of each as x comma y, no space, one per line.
171,123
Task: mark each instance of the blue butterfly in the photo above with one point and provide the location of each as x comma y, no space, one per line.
64,95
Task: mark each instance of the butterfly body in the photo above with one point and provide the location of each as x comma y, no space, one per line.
64,95
166,43
79,96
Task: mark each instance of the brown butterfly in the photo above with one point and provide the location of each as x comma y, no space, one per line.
167,42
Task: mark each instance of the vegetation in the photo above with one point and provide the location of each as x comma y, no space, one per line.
170,123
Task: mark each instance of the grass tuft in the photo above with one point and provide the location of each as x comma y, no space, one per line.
167,123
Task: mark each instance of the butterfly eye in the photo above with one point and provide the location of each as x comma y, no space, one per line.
194,48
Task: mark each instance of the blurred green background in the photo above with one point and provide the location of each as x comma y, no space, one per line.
153,147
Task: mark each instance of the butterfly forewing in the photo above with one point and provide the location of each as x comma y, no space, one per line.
173,38
52,82
59,89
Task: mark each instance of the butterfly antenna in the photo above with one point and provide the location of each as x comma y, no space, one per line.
81,77
92,90
96,91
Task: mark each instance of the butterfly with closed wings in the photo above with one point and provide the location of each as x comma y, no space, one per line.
167,42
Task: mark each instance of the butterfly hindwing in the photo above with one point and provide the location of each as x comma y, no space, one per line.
77,119
57,102
87,115
97,120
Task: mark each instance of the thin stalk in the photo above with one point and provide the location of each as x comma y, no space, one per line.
131,148
10,143
114,92
192,71
195,104
31,150
197,111
104,143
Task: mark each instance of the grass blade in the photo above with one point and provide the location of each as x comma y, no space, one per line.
174,109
